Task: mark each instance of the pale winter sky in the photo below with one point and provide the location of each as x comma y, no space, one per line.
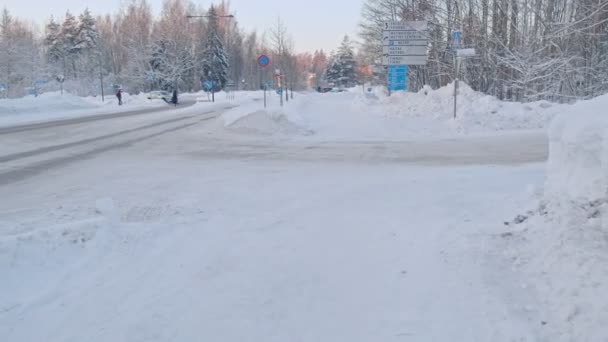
314,24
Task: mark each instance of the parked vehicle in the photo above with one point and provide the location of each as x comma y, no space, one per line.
160,95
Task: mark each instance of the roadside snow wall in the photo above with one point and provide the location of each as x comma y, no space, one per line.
561,250
577,169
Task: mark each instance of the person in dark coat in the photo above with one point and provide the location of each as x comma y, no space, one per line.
119,96
174,97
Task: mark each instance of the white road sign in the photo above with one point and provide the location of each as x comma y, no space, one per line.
416,50
404,60
405,43
405,35
406,26
392,42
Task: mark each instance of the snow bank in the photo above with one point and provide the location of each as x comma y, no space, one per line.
476,112
578,163
562,248
47,102
54,105
427,114
251,118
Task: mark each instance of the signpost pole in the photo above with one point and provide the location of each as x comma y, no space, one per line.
263,62
459,56
455,95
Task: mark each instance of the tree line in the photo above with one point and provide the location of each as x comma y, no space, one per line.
526,49
187,47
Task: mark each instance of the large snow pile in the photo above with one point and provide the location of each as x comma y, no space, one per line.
578,166
562,247
476,111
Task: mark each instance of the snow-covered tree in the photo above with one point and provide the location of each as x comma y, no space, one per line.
173,47
319,66
69,37
53,43
170,64
7,52
215,63
87,33
342,67
19,56
526,49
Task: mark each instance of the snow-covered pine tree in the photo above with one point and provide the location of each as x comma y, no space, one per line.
341,69
215,63
54,44
332,73
69,37
89,54
347,62
87,33
172,50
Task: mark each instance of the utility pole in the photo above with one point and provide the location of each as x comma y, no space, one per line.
101,78
286,91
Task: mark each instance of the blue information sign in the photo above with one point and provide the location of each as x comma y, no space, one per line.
456,39
397,75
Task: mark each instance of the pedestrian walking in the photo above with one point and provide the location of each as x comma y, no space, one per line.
174,97
119,97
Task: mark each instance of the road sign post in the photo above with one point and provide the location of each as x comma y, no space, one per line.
278,75
460,54
404,43
264,62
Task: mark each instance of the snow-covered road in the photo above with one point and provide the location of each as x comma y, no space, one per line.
210,235
127,247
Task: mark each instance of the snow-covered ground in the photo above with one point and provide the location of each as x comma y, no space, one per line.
338,217
359,116
145,245
560,249
54,106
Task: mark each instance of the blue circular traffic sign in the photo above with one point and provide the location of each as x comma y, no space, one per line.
263,61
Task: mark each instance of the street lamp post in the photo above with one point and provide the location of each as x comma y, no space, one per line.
210,16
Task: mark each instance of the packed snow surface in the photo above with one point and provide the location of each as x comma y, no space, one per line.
316,221
561,248
54,105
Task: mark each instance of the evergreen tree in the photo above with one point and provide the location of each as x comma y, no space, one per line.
87,33
332,73
215,63
342,66
69,37
53,42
